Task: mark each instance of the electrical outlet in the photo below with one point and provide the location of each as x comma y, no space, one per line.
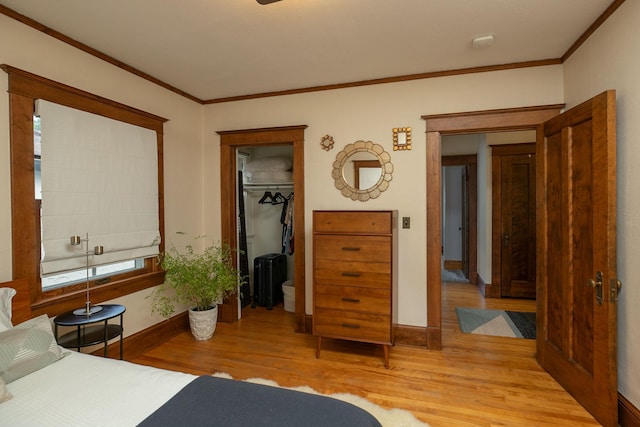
406,222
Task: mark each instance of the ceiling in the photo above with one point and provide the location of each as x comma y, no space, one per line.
212,49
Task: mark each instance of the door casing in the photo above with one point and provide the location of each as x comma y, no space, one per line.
451,124
230,141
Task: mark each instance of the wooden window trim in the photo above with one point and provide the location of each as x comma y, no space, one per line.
24,89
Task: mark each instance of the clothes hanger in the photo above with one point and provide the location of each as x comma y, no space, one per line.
278,199
266,198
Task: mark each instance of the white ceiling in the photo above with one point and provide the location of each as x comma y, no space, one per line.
214,49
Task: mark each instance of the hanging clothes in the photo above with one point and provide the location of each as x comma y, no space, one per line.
286,219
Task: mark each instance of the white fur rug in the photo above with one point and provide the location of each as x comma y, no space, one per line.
386,417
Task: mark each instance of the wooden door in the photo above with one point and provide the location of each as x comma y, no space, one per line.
518,223
577,286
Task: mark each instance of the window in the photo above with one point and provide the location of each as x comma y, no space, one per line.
67,278
107,281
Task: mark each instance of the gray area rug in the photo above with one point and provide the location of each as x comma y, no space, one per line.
502,323
454,276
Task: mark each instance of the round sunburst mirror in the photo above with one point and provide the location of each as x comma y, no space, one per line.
362,170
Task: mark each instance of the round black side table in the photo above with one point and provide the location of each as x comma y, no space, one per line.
88,332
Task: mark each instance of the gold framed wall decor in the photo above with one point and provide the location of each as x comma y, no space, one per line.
401,139
326,142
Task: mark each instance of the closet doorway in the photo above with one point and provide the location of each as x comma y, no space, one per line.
231,142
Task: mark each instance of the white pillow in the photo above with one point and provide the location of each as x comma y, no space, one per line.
28,347
267,164
6,294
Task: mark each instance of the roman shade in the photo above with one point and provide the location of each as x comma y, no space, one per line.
99,177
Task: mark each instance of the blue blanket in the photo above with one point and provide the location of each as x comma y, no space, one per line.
209,401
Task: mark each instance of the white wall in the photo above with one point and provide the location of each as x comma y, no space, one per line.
32,51
485,225
370,113
452,212
610,60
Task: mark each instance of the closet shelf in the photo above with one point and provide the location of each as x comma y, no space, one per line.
268,186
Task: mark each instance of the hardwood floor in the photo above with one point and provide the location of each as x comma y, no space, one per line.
474,380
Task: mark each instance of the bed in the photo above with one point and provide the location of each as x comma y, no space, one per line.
74,389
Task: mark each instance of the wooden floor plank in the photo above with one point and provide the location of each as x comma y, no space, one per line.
474,380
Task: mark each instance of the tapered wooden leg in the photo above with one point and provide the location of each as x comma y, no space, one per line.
386,356
318,347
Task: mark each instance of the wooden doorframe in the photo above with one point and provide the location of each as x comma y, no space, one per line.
459,123
471,162
230,141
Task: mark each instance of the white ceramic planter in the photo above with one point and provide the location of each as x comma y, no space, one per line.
203,323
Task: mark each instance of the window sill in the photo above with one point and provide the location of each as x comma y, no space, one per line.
62,303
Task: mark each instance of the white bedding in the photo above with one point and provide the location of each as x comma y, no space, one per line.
85,390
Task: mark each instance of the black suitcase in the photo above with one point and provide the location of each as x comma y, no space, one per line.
269,273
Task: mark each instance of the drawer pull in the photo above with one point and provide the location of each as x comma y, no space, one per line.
350,248
354,300
351,325
350,274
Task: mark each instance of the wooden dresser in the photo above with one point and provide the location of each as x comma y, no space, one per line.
354,277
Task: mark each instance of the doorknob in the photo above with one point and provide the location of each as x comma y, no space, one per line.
506,238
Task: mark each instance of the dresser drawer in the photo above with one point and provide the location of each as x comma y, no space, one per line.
352,248
352,325
366,274
352,298
359,222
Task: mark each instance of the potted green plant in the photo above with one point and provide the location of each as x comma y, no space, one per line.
199,280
